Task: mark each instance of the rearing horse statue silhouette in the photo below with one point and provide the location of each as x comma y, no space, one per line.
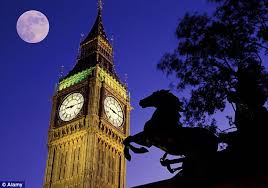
164,130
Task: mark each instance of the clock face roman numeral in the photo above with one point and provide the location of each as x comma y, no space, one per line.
113,111
71,106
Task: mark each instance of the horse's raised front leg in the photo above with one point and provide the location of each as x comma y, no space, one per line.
167,163
140,139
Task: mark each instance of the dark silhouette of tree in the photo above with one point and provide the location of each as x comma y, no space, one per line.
214,50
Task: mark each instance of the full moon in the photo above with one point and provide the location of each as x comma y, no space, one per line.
32,26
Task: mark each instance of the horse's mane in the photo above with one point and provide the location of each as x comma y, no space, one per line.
171,101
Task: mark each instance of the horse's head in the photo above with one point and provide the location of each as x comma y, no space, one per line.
154,99
162,98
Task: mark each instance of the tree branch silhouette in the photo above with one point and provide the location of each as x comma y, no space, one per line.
213,49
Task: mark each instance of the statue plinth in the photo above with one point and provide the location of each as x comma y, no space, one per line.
169,183
245,182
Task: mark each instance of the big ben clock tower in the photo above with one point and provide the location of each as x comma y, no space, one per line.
89,120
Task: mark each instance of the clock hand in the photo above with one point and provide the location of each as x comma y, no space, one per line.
76,104
112,110
115,112
70,106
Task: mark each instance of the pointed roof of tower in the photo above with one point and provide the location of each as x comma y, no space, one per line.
95,49
98,28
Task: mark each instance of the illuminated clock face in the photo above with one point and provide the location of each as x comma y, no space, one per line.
113,111
71,106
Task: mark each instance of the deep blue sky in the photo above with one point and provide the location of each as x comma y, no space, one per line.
143,31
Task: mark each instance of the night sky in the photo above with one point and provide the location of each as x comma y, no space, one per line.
142,32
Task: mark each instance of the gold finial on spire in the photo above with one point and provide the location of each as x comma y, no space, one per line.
126,78
100,6
61,71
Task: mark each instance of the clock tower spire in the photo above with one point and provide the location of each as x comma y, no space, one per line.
96,48
90,118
